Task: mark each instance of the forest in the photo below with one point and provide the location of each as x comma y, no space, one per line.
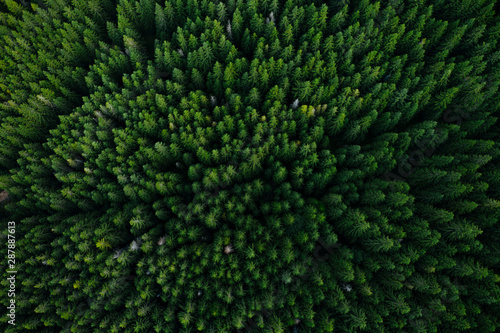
254,166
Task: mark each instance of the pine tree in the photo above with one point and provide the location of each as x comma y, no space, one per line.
158,155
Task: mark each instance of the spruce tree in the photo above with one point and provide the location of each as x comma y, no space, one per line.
224,166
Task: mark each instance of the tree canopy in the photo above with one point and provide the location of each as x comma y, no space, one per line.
250,165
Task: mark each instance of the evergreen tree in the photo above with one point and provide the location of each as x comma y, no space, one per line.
263,165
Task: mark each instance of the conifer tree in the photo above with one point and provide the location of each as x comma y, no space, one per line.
220,166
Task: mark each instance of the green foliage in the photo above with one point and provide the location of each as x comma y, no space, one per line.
174,166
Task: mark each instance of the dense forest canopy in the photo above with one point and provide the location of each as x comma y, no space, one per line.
250,165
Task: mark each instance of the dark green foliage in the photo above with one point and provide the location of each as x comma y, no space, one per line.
216,166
